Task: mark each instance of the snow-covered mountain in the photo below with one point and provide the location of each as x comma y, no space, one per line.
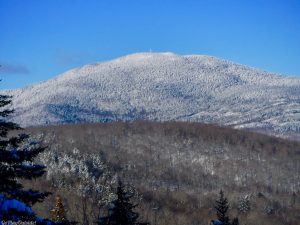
161,87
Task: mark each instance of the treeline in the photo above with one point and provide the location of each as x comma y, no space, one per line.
176,169
17,154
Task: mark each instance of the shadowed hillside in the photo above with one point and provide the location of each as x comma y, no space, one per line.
177,167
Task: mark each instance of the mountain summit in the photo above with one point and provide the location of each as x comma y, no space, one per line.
165,87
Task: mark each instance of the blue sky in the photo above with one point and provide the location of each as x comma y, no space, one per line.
41,38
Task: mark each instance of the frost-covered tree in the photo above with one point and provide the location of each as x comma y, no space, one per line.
244,204
222,207
121,211
17,154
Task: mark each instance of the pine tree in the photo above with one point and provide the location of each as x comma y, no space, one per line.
121,211
11,208
16,159
16,163
59,213
222,207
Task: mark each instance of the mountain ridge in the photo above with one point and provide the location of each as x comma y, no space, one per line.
164,87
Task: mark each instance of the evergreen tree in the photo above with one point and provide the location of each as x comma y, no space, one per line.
59,213
222,207
16,159
11,209
121,211
244,204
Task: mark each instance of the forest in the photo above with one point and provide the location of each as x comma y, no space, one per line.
167,173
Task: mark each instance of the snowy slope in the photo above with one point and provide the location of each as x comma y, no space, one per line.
165,86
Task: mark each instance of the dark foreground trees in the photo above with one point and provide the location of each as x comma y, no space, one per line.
17,154
222,207
121,211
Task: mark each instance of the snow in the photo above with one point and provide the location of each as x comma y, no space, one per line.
216,222
8,204
162,87
14,154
